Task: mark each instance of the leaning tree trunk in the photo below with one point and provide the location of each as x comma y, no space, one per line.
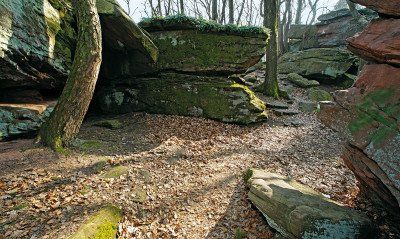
65,121
271,15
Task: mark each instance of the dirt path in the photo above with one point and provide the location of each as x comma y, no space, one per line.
181,177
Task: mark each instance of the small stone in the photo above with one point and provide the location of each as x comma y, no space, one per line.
281,112
308,106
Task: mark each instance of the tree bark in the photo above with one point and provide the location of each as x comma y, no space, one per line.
65,121
182,5
287,26
214,9
271,16
299,11
231,12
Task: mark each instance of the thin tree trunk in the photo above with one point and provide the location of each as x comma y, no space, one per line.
182,5
159,8
299,11
231,12
271,16
287,26
223,12
214,9
65,121
240,13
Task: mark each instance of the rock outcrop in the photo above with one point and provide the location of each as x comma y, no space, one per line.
17,120
177,94
380,42
368,114
297,211
387,7
38,38
195,46
326,65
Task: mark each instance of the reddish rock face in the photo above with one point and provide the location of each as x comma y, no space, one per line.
368,115
388,7
379,42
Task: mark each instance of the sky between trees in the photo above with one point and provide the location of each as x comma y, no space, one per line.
140,8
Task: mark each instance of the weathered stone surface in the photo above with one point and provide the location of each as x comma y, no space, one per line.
380,42
297,211
102,225
186,47
336,26
388,7
318,95
301,81
38,38
178,94
308,106
326,65
368,115
302,37
18,121
36,43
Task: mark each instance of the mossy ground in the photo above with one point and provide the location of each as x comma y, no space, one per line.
115,172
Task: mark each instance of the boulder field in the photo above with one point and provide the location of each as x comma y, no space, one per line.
368,114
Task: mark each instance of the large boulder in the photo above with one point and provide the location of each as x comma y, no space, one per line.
297,211
368,115
211,97
196,46
380,42
326,65
388,7
38,39
18,120
302,37
336,26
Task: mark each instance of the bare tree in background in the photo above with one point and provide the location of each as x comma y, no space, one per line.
299,11
231,12
214,8
182,6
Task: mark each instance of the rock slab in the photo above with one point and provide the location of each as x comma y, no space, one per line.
297,211
388,7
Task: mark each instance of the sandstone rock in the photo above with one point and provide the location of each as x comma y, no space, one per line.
302,37
297,211
326,65
388,7
336,26
195,46
380,42
178,94
301,81
38,37
368,115
36,42
18,121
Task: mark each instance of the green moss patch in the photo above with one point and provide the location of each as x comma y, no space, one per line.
109,124
316,94
102,225
181,22
115,172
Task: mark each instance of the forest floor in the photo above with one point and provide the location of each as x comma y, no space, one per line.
175,177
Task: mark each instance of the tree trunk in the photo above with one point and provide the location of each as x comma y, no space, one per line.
182,5
159,9
231,12
271,16
214,10
287,26
299,11
65,121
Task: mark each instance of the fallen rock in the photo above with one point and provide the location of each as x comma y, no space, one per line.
282,112
301,81
308,106
197,46
200,96
102,225
326,65
19,120
297,211
388,7
318,95
380,42
368,116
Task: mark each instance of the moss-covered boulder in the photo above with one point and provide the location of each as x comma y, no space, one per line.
38,39
297,211
197,46
210,97
326,65
301,81
316,94
101,225
18,121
